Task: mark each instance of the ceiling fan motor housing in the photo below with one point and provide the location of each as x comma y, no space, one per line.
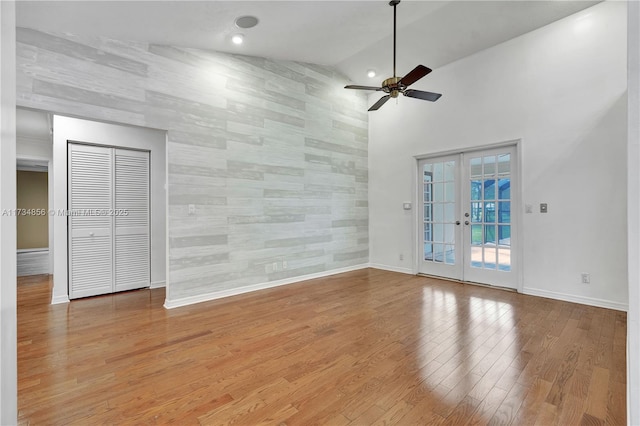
392,87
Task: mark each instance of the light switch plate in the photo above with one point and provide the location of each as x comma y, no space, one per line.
406,206
543,208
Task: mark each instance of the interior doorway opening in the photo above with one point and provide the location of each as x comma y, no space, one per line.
41,151
34,148
68,131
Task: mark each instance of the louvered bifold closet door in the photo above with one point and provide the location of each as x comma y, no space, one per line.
90,228
132,250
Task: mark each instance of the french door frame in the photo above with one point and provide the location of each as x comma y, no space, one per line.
517,210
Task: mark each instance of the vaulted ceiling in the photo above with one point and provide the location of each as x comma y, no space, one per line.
354,36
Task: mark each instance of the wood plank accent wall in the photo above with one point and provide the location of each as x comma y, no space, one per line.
33,262
272,154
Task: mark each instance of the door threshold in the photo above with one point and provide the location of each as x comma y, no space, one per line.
513,290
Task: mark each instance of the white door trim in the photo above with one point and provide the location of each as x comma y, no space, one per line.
518,200
466,150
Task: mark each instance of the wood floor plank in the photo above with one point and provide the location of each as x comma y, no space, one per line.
536,395
616,407
506,412
571,411
364,347
368,416
422,414
462,411
488,406
393,415
597,399
547,414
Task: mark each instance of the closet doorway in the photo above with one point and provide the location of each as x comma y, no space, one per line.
109,234
109,208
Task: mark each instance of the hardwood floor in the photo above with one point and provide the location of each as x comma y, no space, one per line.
362,348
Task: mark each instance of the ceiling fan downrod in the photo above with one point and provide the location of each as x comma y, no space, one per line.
394,3
392,82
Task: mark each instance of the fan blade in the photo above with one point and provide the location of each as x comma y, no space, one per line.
353,86
419,94
416,74
380,102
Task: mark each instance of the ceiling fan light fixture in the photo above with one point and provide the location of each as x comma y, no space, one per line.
395,85
237,39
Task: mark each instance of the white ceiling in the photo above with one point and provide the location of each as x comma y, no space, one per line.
352,35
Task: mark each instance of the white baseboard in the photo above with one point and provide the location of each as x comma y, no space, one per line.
591,301
55,300
170,304
158,284
391,268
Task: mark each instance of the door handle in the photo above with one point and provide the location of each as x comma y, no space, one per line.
457,222
466,215
466,222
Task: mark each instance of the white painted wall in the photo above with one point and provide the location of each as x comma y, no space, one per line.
8,333
633,213
562,90
73,129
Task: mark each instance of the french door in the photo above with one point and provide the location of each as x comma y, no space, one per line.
467,229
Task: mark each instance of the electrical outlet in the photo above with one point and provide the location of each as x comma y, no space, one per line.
275,266
401,256
586,278
192,209
284,264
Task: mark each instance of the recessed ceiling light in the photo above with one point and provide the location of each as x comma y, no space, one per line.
237,39
246,22
371,73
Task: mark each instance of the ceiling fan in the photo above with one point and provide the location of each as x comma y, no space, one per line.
395,85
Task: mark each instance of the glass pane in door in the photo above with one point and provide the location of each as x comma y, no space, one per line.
490,212
439,198
504,212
